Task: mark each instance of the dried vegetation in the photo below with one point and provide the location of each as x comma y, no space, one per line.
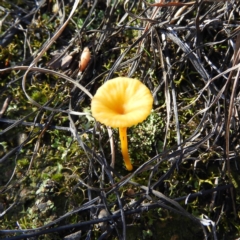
62,173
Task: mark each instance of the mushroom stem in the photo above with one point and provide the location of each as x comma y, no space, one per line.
124,147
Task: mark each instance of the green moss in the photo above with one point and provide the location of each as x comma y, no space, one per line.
146,136
57,177
23,162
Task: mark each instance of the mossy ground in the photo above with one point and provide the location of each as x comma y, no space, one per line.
55,166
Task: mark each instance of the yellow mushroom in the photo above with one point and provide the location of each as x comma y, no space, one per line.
121,103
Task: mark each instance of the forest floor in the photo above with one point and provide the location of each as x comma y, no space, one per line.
62,174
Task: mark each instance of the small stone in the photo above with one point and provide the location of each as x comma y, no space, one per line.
73,236
103,225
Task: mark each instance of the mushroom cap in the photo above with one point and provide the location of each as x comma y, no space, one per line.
122,102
